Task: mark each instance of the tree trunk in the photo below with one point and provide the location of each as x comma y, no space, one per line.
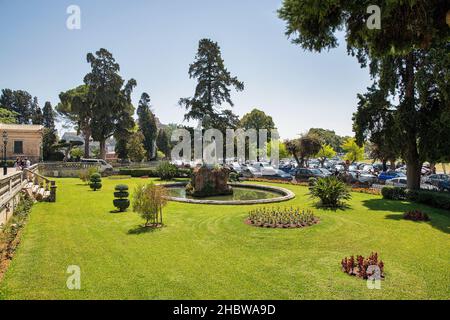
103,149
393,165
384,165
86,147
408,114
443,168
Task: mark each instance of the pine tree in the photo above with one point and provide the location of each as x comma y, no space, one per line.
214,83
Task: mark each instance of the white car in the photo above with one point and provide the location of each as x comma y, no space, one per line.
397,182
401,182
264,168
102,164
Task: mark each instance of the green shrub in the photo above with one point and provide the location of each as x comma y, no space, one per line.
281,218
394,193
96,182
331,192
166,170
138,173
436,199
152,173
312,181
85,174
121,194
234,177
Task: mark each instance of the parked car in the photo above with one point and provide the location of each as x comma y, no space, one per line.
387,175
264,168
326,172
103,165
402,182
444,185
306,173
435,179
248,171
235,166
397,182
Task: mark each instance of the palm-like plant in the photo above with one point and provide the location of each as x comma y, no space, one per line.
331,191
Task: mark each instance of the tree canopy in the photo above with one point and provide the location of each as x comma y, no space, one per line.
110,98
214,84
408,59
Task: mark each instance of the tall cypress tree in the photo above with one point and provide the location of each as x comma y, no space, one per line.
37,117
163,143
147,125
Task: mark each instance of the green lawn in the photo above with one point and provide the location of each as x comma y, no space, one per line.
207,252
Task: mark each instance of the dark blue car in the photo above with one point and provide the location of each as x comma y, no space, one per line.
444,185
386,175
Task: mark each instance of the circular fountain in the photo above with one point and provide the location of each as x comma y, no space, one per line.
211,186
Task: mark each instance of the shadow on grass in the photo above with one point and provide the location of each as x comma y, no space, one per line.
116,211
142,229
341,207
438,220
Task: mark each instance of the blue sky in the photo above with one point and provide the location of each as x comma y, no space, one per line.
155,41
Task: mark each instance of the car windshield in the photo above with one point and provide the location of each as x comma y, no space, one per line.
316,171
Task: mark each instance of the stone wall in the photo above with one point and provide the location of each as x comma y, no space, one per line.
64,169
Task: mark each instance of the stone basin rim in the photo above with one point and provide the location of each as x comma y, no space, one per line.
285,195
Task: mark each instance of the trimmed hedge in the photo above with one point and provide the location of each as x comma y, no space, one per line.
436,199
152,173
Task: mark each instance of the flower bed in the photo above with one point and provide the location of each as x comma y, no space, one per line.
416,215
281,218
363,267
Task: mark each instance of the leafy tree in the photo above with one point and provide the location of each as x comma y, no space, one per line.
258,120
328,137
135,146
76,153
326,152
148,202
76,107
375,122
214,83
147,125
18,101
163,143
353,151
68,146
408,59
303,148
7,116
110,98
282,150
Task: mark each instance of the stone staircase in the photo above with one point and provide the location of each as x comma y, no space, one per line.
36,191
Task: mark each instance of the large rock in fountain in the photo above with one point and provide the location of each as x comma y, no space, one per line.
208,181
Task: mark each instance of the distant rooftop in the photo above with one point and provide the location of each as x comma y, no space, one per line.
20,127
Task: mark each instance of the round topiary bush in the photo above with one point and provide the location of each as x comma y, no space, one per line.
121,194
96,182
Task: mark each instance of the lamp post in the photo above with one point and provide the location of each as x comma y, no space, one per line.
5,143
